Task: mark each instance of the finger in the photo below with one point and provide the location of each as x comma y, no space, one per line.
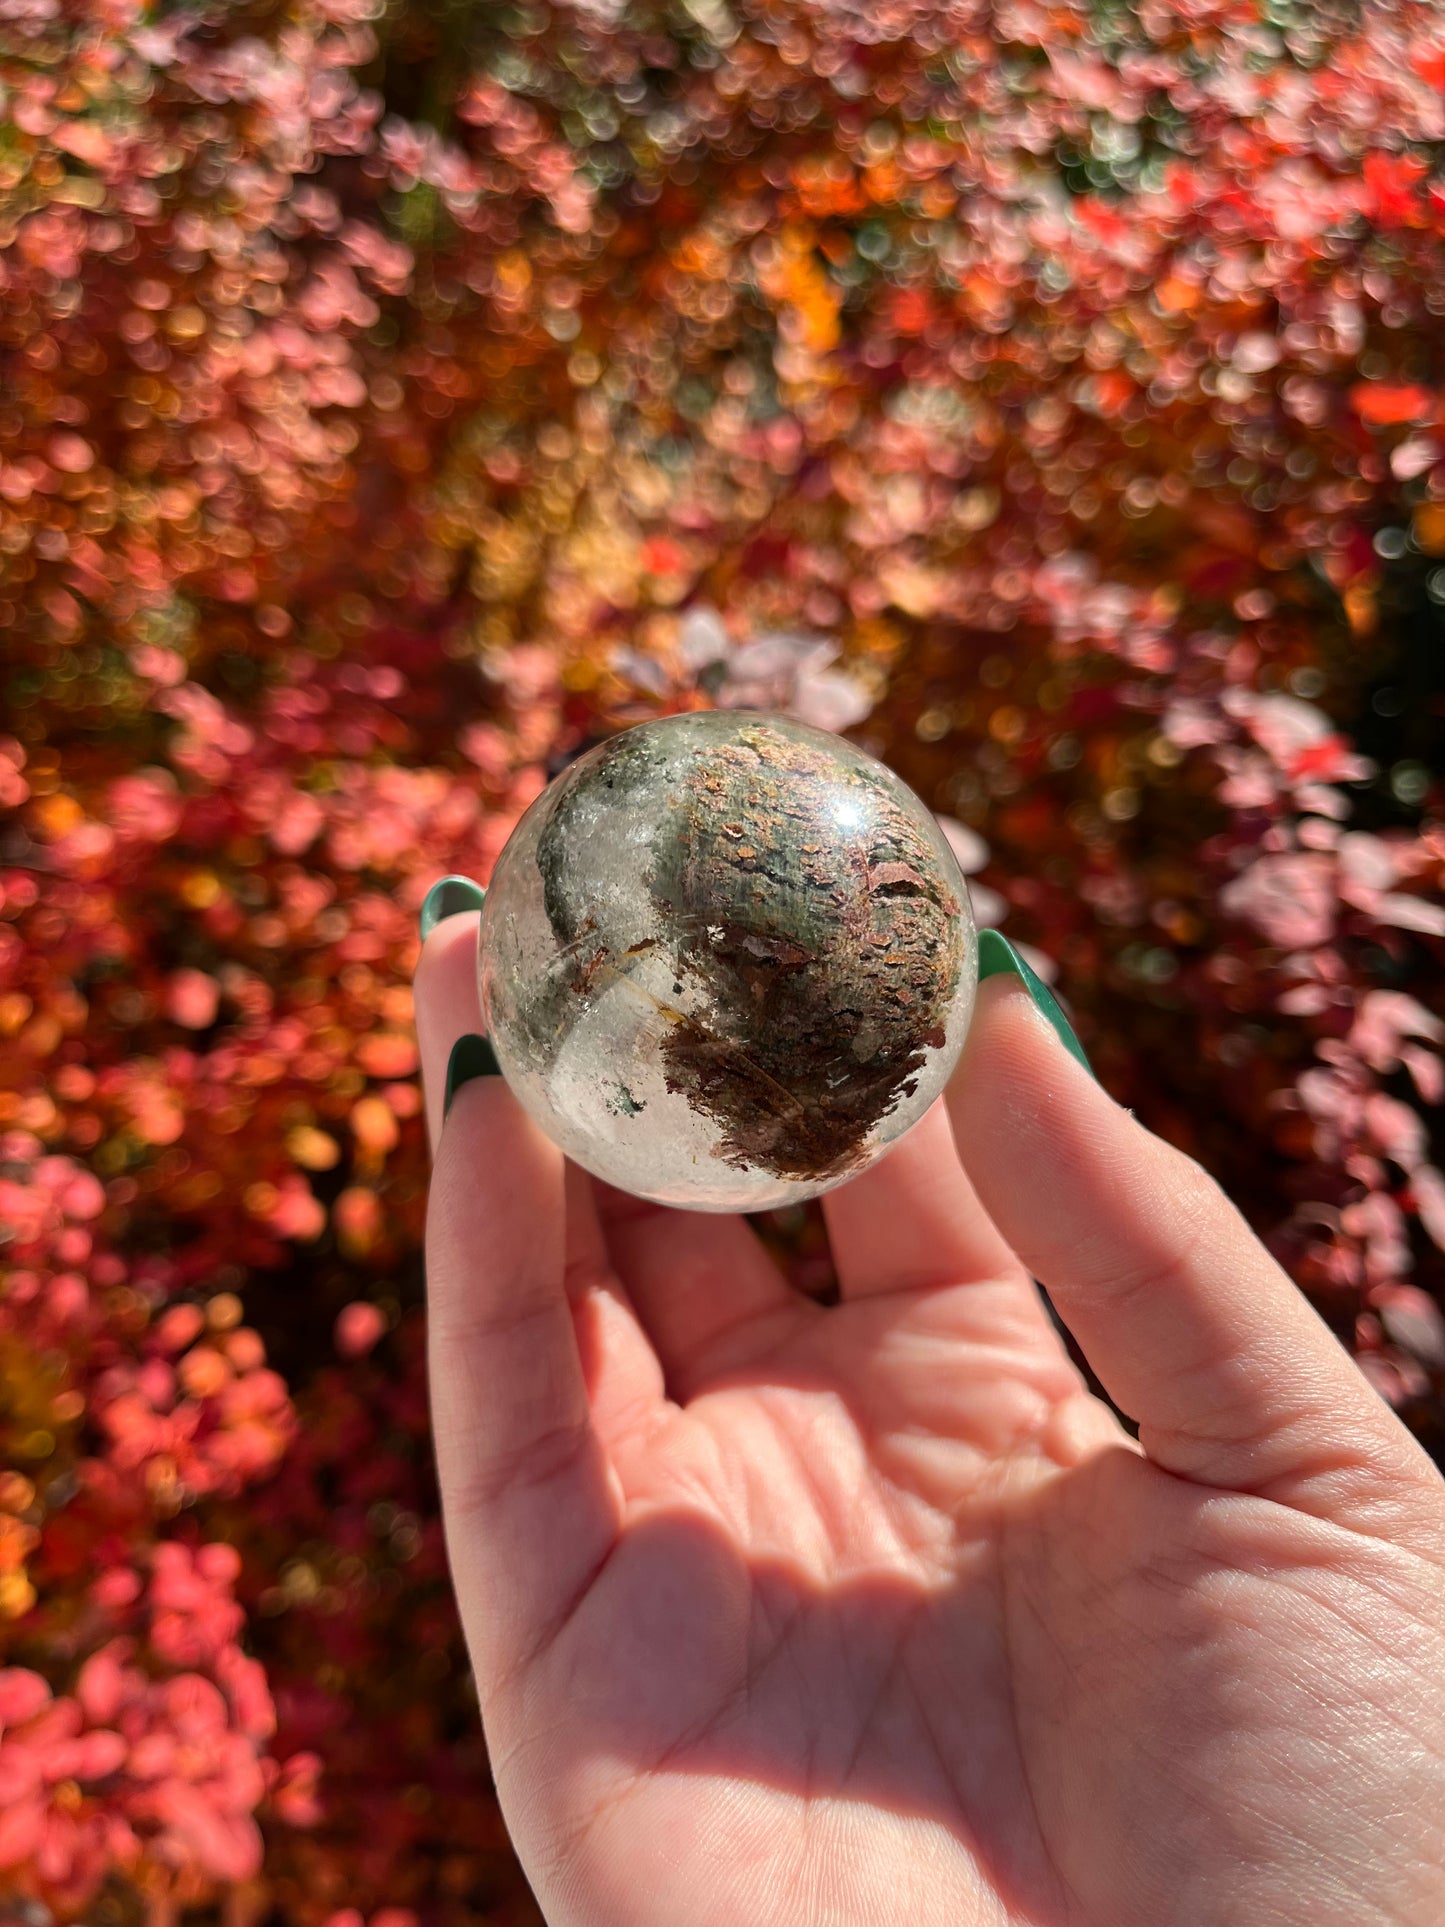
446,1005
913,1221
708,1295
622,1372
490,1245
623,1377
703,1289
1188,1322
529,1498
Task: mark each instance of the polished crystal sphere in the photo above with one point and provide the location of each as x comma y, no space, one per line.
726,961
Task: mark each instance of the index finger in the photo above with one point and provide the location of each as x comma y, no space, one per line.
1190,1324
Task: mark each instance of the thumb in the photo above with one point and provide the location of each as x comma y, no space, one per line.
1189,1323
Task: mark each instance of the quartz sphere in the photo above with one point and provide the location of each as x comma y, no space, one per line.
726,960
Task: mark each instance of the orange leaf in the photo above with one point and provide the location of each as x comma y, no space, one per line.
374,1125
387,1053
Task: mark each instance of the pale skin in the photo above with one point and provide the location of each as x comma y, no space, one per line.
872,1615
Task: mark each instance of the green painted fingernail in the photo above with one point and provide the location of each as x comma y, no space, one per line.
997,956
472,1056
448,899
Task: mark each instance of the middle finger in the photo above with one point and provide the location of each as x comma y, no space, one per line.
708,1295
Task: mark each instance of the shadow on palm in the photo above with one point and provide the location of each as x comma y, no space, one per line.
1054,1671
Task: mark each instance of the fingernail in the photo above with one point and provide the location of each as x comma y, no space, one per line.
472,1056
448,899
997,957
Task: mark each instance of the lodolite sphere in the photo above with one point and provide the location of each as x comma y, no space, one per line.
726,961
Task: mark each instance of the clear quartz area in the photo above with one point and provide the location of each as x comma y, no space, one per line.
726,961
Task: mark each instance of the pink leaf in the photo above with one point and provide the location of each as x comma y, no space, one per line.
99,1754
358,1327
1411,913
22,1694
1397,1130
20,1773
1427,1071
1428,1187
967,845
245,1680
1306,1000
219,1562
101,1685
194,1707
192,999
1413,1320
1385,1018
83,1197
55,1856
1368,860
298,824
1290,898
21,1829
87,140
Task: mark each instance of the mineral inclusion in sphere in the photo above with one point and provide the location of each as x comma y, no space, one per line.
726,961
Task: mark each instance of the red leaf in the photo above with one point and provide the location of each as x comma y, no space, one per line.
1386,406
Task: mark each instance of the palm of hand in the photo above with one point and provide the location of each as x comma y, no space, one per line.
792,1617
899,1612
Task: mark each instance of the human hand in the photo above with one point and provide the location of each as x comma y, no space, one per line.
787,1615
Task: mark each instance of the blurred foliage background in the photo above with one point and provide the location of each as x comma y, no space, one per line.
396,397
